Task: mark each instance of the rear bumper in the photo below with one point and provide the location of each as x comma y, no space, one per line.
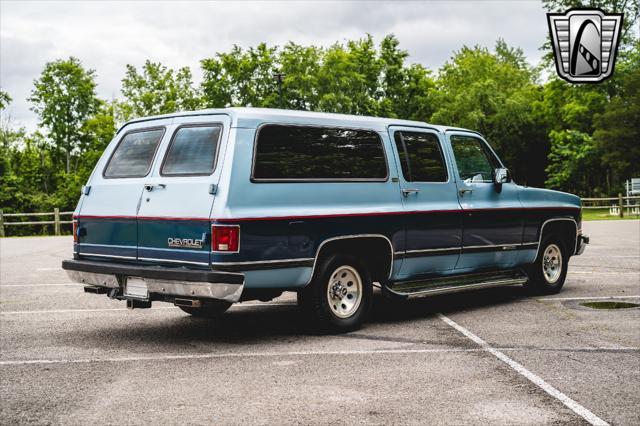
162,281
583,240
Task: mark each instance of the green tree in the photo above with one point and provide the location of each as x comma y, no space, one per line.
64,97
496,94
156,90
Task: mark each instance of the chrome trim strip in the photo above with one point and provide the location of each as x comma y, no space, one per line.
346,237
108,255
173,261
432,250
260,262
173,249
105,245
554,220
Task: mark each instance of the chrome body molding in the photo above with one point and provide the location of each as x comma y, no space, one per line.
261,262
190,289
575,249
154,259
347,237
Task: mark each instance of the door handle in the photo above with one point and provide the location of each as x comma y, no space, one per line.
150,187
463,191
408,191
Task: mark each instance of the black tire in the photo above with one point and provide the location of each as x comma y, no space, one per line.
314,300
212,309
539,282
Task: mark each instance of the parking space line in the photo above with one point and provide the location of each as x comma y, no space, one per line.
40,285
64,311
603,272
551,299
405,351
533,378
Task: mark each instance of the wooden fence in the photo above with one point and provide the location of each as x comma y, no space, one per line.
618,205
56,222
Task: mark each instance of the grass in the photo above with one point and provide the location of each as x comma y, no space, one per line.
603,214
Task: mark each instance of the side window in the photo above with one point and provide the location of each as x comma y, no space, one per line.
475,162
421,157
134,154
192,151
291,153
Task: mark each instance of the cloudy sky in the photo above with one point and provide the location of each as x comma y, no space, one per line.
107,35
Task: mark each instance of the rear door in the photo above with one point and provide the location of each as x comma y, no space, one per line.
433,225
107,224
177,197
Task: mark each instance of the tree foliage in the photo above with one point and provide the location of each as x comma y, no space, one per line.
64,97
156,90
578,138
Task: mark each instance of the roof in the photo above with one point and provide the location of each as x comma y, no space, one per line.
248,117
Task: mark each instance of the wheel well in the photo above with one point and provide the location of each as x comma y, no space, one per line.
567,229
374,251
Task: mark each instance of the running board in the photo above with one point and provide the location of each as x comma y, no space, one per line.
455,284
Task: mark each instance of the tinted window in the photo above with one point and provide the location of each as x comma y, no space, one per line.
420,157
474,160
134,154
192,151
296,152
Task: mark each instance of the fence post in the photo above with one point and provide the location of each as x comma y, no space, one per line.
620,205
1,224
56,219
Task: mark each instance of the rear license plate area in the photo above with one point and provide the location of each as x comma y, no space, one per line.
136,287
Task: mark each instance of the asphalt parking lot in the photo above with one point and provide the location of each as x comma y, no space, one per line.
495,356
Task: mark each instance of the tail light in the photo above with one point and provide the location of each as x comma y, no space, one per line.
225,238
75,230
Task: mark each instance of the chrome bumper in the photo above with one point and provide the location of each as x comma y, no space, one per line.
583,240
159,280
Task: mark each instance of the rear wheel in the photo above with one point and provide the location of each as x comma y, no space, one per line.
548,273
212,309
340,295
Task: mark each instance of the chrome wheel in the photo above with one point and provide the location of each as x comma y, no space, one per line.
552,263
344,292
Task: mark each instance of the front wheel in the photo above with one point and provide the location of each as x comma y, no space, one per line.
339,297
548,273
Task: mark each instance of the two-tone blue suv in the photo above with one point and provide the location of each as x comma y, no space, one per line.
204,209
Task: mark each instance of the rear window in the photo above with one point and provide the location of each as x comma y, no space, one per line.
420,157
134,154
192,151
294,153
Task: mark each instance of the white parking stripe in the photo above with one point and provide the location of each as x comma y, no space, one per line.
283,354
40,285
64,311
538,381
549,299
232,355
603,273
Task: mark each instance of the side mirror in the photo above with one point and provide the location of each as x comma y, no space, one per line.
501,175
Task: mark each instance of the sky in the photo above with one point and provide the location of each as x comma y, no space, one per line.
107,35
